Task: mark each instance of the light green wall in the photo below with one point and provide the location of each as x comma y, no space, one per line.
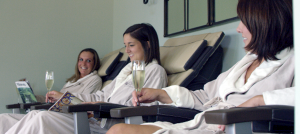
34,32
36,35
129,12
39,35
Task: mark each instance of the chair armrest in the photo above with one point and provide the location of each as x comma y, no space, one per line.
12,106
28,105
246,114
81,123
101,110
22,105
43,106
156,113
262,119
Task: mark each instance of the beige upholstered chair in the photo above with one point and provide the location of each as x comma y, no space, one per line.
185,57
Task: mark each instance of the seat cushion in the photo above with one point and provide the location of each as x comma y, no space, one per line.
176,59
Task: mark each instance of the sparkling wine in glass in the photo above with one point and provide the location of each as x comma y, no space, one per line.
49,80
138,74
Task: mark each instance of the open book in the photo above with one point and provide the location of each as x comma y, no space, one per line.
25,92
66,99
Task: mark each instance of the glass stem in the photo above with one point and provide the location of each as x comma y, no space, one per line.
138,103
48,97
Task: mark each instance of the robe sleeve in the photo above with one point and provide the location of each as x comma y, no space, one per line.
182,97
93,86
280,97
97,96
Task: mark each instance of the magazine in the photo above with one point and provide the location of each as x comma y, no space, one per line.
66,99
25,92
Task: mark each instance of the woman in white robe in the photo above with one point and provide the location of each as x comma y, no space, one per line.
141,43
266,71
85,80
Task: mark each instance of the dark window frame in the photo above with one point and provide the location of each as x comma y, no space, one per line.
211,18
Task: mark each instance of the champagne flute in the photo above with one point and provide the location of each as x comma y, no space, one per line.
138,75
49,80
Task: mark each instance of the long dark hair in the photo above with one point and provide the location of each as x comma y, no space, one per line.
96,66
145,32
270,23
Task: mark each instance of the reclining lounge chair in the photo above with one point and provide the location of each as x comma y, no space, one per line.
183,58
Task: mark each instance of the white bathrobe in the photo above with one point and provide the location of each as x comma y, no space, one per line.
118,91
272,79
86,85
90,83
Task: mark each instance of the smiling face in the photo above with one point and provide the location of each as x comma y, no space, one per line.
245,33
85,63
134,48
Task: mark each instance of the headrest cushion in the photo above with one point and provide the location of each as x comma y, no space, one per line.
180,58
108,63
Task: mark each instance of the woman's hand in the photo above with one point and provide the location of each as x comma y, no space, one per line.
53,96
148,95
254,102
221,127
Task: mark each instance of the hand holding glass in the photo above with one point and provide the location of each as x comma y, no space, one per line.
49,80
138,75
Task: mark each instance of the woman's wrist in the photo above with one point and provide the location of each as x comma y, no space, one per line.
260,100
163,97
254,102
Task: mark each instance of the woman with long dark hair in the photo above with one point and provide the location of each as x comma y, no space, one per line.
263,76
